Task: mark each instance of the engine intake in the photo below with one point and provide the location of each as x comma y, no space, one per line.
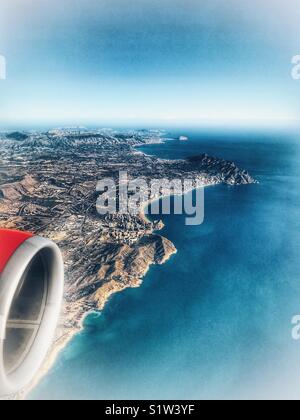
31,291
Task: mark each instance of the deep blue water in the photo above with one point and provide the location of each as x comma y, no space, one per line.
214,321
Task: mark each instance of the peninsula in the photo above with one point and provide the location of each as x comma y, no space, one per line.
48,186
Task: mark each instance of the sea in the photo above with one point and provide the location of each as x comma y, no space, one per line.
215,321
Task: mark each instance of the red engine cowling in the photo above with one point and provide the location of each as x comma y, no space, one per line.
10,240
31,291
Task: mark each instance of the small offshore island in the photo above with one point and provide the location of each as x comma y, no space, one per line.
48,186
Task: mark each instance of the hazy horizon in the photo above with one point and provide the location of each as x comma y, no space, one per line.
152,62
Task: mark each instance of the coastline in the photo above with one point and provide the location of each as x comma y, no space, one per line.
65,335
119,263
63,339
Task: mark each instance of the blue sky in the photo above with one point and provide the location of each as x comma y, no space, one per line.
149,61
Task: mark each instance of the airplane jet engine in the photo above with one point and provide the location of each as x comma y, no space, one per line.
31,291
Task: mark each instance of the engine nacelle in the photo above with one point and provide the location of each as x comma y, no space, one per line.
31,292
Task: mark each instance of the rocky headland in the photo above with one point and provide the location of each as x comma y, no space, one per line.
48,186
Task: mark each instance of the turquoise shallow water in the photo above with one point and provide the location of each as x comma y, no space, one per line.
215,320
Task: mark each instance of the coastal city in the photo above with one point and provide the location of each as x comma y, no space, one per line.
48,187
